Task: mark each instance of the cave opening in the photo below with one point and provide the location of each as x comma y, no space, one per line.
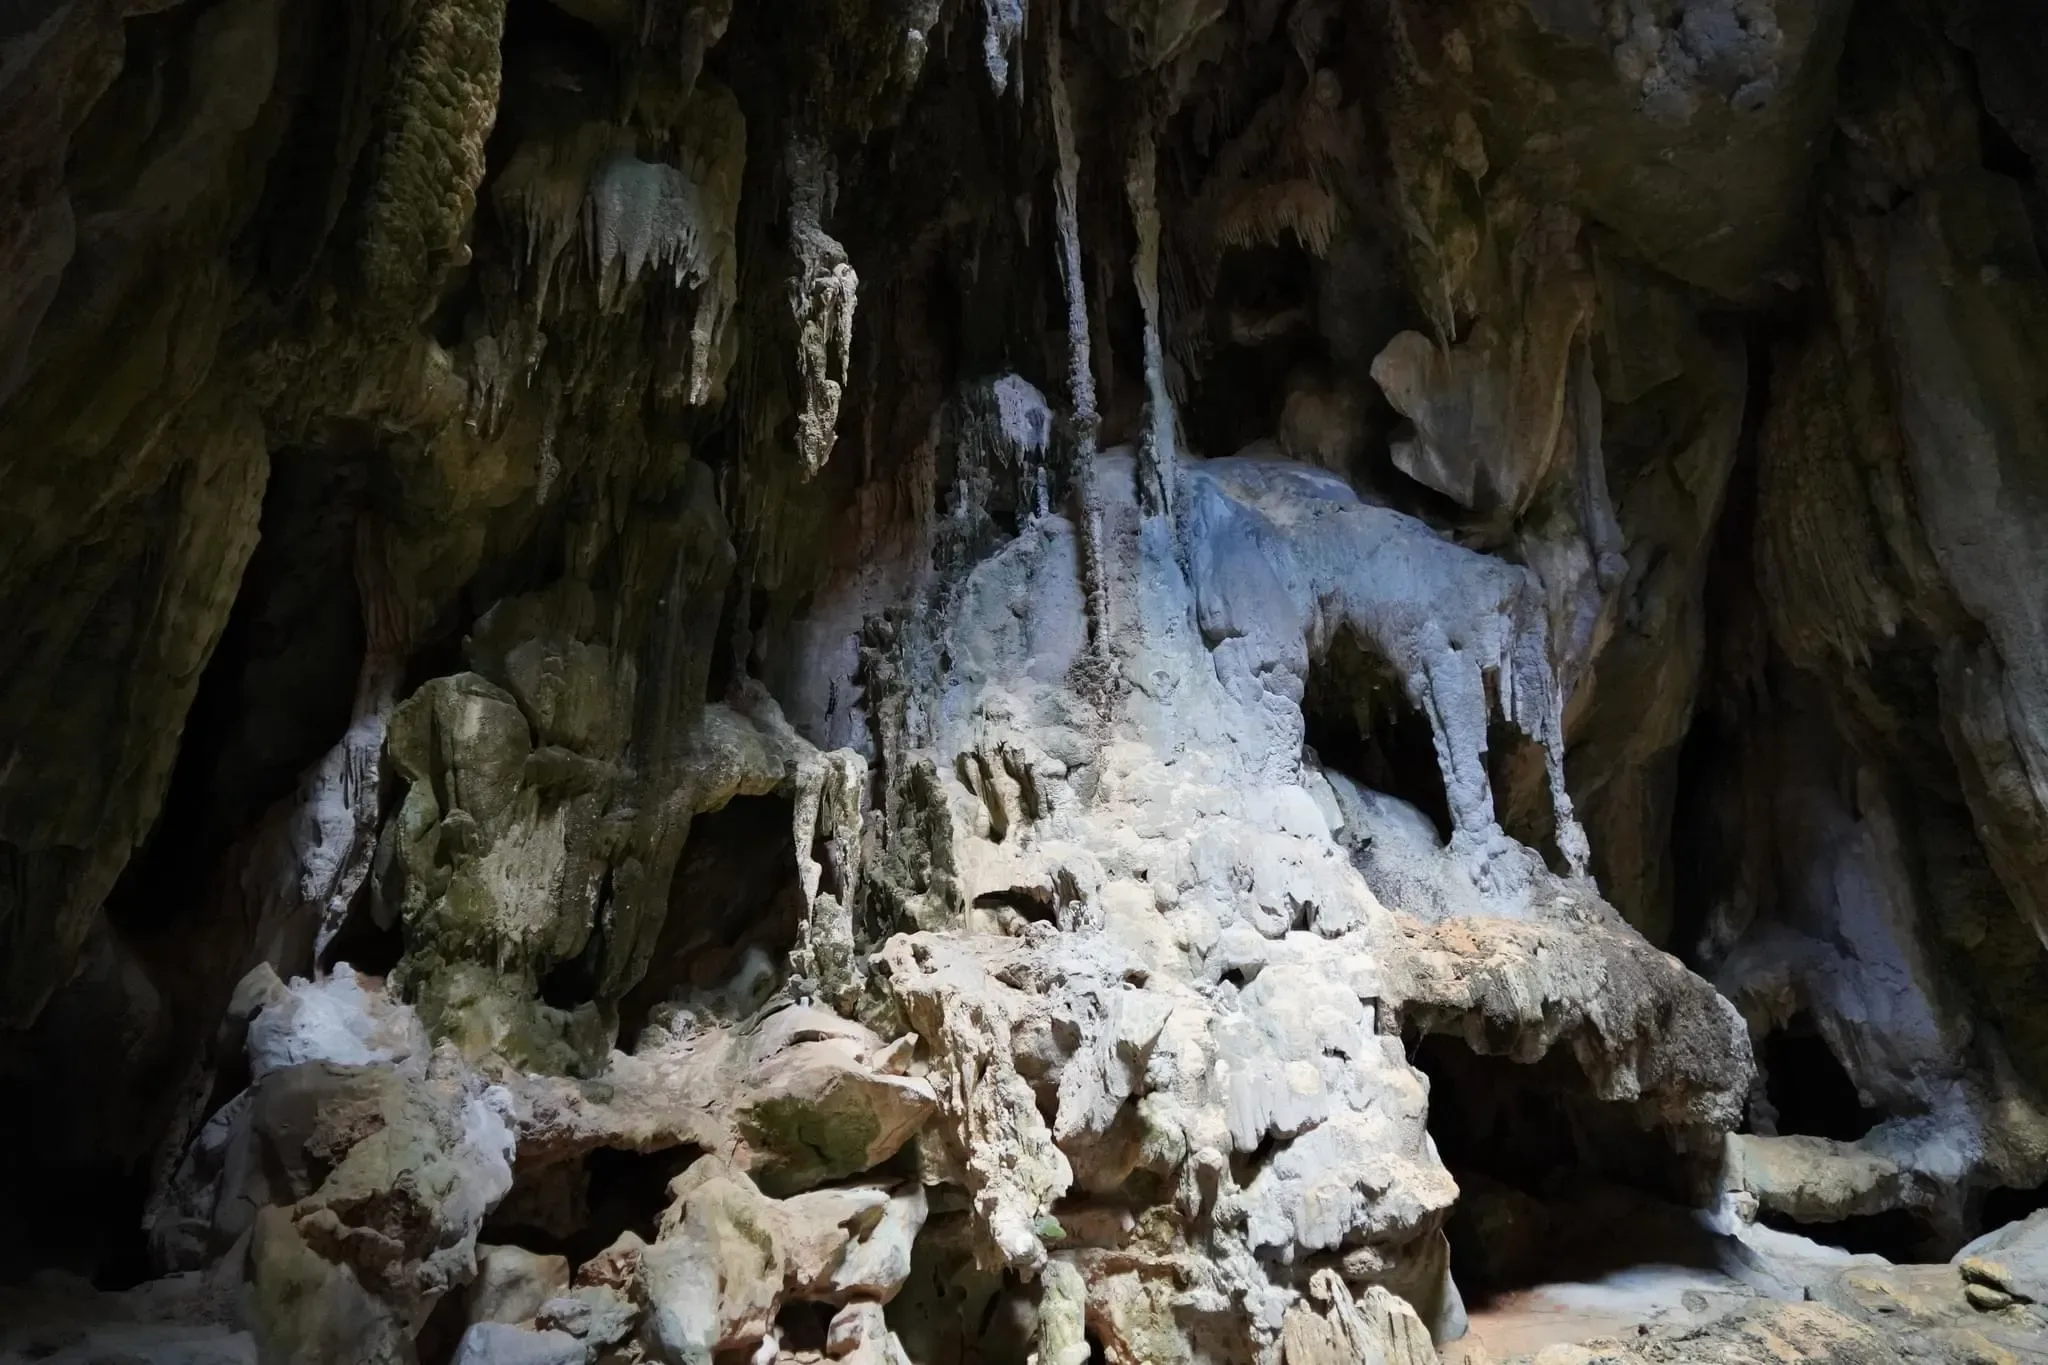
370,948
95,1081
1035,904
1902,1236
1518,769
735,890
1808,1091
1360,722
1554,1184
2005,1204
276,692
575,1209
1258,330
802,1325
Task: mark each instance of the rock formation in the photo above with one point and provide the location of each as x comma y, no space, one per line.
1174,682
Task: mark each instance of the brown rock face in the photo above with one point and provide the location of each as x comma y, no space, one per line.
1182,681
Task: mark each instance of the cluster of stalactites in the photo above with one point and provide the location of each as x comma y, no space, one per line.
823,293
1002,33
588,201
1004,436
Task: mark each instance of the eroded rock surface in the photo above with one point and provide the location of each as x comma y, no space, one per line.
919,682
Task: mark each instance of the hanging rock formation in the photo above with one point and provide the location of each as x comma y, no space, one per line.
1178,682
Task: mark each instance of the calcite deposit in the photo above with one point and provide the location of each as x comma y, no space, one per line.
967,682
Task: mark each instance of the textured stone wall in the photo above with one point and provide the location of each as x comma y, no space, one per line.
953,680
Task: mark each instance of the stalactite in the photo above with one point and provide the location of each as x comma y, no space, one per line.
822,297
539,196
1080,374
1003,29
631,221
1158,451
703,26
1205,791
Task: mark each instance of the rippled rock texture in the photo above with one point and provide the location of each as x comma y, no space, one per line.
959,681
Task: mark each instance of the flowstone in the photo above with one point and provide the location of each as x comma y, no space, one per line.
1158,981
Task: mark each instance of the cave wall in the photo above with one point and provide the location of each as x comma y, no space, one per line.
1514,519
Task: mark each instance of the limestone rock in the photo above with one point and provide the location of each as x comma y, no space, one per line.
491,1343
593,1314
859,1334
512,1283
727,1257
2012,1259
665,586
796,1094
1377,1327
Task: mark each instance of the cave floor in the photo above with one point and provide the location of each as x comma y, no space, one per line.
1524,1321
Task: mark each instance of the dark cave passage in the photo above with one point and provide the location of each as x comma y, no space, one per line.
1519,771
803,1325
578,1208
86,1221
2001,1205
1361,723
1553,1183
1807,1089
1901,1236
95,1080
735,889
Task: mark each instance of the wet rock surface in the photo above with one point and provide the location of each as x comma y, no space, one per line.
941,681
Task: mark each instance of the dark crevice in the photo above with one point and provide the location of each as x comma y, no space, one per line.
1361,724
442,1335
735,889
1899,1235
573,982
803,1326
2003,155
577,1209
1518,768
371,949
1717,847
2005,1204
1245,1166
1034,903
1807,1088
1554,1184
277,691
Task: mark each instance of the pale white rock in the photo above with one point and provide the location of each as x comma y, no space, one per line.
493,1343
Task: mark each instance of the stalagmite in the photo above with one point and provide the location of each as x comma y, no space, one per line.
1062,1316
831,792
